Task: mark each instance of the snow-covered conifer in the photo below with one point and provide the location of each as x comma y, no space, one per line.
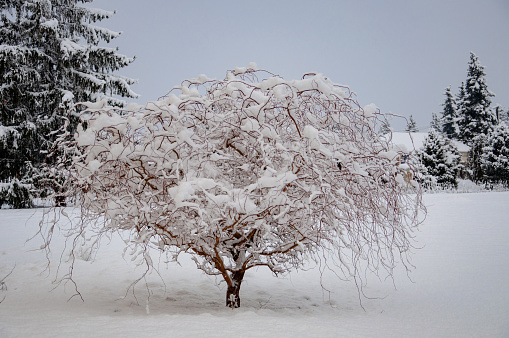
385,128
440,158
436,122
460,106
249,171
495,156
449,118
475,169
476,115
412,125
50,58
502,115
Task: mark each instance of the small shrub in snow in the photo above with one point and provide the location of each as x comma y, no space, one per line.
243,173
440,159
495,156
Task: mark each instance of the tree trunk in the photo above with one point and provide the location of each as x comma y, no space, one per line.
232,293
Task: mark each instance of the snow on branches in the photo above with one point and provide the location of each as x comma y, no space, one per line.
244,172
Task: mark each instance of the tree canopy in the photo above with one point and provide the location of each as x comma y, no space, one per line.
244,172
494,160
449,118
475,114
50,58
440,159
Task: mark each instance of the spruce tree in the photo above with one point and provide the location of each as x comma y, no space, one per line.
412,125
460,107
502,115
495,156
449,119
436,122
477,117
475,169
385,128
440,159
50,58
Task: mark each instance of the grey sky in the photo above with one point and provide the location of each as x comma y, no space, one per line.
399,54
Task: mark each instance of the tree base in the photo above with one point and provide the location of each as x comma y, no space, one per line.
233,298
233,291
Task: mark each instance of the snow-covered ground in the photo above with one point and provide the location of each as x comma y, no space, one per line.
460,287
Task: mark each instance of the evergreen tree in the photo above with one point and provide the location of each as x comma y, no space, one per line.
495,157
477,117
412,125
474,158
49,58
460,106
502,116
385,128
449,119
440,159
435,123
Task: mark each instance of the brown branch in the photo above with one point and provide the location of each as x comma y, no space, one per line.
228,144
295,122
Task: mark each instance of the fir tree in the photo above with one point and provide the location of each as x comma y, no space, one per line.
412,125
440,159
495,156
449,119
50,58
477,117
460,106
385,128
474,158
435,123
502,116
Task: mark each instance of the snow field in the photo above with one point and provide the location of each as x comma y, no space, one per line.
460,287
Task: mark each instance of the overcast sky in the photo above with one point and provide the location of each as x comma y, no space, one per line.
399,55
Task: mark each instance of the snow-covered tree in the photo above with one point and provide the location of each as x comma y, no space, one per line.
449,118
475,170
385,128
50,58
495,156
502,115
436,122
476,115
440,159
412,125
460,106
249,171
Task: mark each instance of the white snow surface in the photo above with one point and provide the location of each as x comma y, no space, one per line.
460,287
